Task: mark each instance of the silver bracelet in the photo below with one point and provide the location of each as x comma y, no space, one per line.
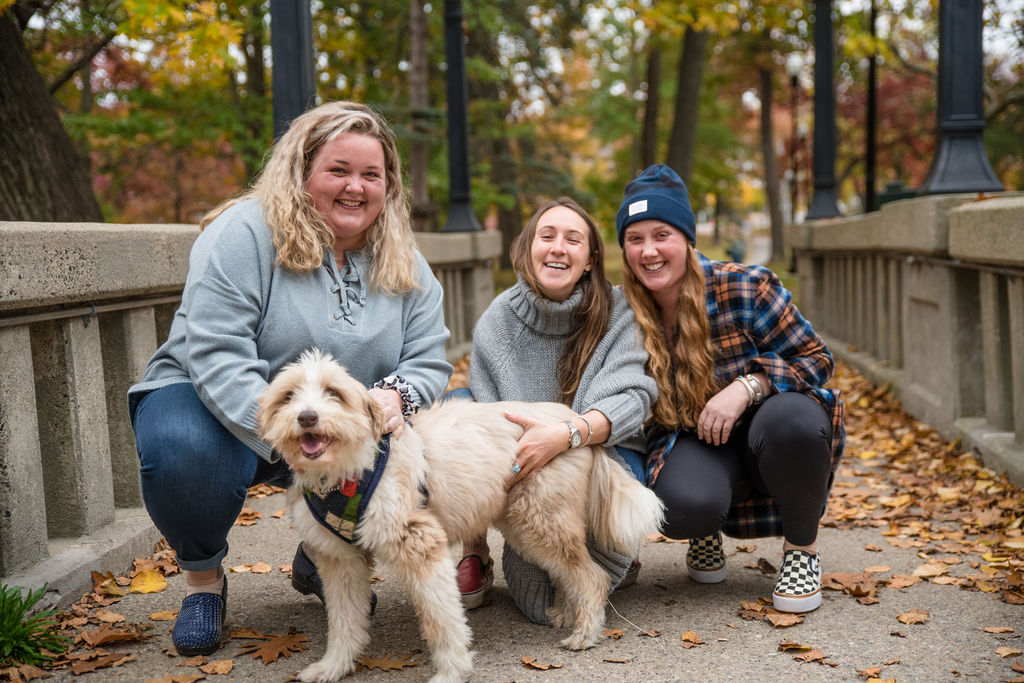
742,379
758,390
590,431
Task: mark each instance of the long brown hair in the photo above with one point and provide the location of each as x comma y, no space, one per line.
300,234
686,385
594,313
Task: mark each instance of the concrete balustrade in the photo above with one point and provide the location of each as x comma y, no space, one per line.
82,309
927,295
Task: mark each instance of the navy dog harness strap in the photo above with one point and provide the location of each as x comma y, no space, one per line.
341,508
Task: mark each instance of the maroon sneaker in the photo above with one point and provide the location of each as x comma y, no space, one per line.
475,580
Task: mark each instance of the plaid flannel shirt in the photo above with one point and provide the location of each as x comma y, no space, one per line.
756,328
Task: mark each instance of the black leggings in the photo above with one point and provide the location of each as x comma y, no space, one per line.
782,449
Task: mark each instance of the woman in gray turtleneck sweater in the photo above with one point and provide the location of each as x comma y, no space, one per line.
561,333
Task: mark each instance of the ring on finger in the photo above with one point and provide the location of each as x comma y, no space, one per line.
516,468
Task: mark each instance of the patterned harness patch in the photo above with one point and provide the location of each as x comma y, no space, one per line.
341,508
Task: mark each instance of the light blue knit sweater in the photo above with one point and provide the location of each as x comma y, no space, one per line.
242,317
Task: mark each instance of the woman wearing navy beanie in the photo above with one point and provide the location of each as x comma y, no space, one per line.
745,439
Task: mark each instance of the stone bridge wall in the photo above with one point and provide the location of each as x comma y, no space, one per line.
82,308
927,295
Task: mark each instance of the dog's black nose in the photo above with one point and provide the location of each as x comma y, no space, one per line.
308,418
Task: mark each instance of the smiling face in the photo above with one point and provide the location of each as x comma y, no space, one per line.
560,252
348,187
657,254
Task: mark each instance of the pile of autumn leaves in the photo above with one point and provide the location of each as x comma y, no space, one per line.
898,475
925,494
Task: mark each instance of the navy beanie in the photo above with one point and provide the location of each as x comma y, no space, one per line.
657,194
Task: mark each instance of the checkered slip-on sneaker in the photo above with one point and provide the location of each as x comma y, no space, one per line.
798,589
705,559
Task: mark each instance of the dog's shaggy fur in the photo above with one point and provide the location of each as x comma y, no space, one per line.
326,426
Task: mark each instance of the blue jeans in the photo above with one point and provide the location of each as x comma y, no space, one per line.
194,473
630,459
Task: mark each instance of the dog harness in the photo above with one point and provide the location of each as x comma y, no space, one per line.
341,508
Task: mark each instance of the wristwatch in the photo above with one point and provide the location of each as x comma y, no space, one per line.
575,435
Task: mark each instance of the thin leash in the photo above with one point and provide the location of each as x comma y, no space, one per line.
638,629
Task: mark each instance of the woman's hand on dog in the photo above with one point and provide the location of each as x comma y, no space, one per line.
390,404
541,441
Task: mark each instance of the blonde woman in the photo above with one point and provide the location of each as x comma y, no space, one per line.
318,253
750,438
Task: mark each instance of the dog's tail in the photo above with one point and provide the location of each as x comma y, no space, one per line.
621,511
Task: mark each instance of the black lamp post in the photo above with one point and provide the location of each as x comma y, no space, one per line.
870,150
960,163
794,65
824,204
291,45
460,209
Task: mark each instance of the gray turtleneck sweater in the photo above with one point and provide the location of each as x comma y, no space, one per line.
516,346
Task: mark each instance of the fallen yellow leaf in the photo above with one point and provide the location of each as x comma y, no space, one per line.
148,581
165,615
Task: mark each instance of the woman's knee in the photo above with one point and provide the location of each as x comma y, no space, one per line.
793,421
691,512
182,447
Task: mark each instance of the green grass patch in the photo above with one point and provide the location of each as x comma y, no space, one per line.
27,637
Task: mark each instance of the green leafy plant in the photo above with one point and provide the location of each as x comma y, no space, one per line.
25,637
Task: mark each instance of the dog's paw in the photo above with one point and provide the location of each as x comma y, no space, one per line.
448,678
578,641
327,670
560,616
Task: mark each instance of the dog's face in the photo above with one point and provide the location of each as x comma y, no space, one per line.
320,420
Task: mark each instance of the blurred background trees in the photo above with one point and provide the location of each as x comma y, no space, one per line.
155,111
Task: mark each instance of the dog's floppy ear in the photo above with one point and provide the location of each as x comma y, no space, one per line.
377,421
270,401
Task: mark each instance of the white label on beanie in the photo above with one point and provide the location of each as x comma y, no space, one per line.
637,207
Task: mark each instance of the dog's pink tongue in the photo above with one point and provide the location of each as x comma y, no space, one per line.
313,444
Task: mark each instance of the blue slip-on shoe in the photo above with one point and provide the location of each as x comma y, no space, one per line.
306,579
197,630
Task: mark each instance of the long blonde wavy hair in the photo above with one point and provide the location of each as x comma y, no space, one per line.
594,313
685,385
300,234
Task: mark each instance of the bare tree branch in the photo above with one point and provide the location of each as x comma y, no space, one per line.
997,108
915,68
86,57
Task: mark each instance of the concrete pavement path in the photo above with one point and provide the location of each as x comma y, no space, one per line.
895,516
952,644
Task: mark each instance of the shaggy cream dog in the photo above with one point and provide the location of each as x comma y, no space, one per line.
460,453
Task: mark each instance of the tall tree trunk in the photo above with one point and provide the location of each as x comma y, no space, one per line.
720,211
252,107
503,162
42,176
771,166
422,216
504,177
649,137
684,127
